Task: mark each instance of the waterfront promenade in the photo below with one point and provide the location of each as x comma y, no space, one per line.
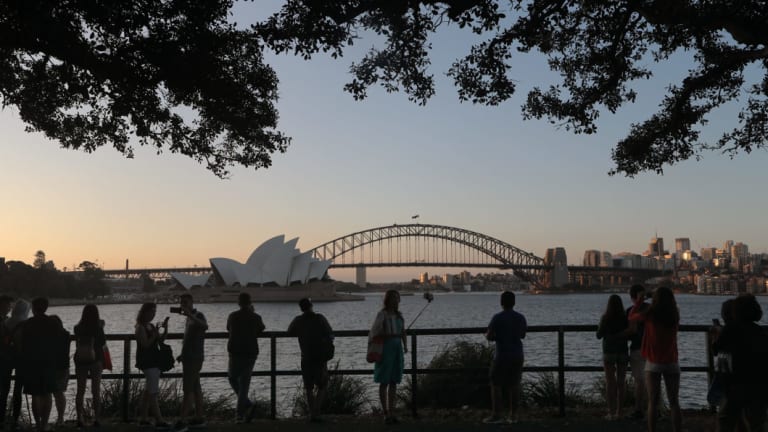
693,421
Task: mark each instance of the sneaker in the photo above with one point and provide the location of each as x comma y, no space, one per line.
493,420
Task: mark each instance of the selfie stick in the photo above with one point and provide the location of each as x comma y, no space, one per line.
428,297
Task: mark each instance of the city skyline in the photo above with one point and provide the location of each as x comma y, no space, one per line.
358,165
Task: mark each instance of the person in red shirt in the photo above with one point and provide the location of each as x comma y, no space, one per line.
659,349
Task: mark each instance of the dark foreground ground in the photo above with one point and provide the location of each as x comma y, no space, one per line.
693,421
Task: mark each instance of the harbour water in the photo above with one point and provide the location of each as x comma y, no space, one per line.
446,311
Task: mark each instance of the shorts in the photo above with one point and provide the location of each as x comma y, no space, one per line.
615,358
152,380
662,368
62,379
89,370
40,382
314,373
506,373
190,371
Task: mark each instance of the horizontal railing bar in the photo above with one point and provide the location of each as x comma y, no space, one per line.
418,332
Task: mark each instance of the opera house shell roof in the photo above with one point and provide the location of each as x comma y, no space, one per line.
275,262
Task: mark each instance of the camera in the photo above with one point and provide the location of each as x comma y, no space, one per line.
175,309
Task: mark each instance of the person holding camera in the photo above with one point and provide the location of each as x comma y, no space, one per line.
191,358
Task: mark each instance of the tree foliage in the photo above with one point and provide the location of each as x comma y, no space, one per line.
176,75
22,280
180,76
598,47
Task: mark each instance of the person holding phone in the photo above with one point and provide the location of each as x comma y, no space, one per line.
191,358
147,339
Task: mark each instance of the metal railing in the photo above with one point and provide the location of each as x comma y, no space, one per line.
414,371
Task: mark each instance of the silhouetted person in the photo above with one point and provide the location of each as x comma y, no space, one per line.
507,328
13,326
388,372
244,327
6,360
745,385
39,353
192,355
662,320
636,360
314,333
89,361
612,328
63,342
148,337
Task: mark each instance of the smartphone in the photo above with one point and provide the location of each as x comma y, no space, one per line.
175,309
716,322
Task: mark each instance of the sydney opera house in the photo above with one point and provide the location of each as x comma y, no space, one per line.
274,263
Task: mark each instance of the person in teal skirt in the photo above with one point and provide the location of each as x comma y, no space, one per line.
388,372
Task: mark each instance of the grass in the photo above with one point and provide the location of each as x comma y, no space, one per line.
345,395
170,399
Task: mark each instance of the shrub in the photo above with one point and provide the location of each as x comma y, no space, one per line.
543,391
454,390
169,399
343,395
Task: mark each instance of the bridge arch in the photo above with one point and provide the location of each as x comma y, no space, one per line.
498,253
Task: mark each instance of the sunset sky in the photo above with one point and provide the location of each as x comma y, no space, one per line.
358,165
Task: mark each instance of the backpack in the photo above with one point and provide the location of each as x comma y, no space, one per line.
63,342
6,342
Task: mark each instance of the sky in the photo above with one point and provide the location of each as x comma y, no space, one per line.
354,165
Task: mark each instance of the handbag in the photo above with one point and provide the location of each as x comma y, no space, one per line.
718,386
375,349
107,363
165,357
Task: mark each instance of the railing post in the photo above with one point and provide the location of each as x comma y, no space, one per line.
273,376
126,377
710,364
414,374
561,369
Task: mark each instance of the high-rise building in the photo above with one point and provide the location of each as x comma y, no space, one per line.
656,247
727,245
682,244
424,278
555,256
606,260
591,258
739,256
707,254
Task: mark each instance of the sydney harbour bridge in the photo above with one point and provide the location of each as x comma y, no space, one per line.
425,245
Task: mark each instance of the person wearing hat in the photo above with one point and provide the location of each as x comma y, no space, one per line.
316,343
244,327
